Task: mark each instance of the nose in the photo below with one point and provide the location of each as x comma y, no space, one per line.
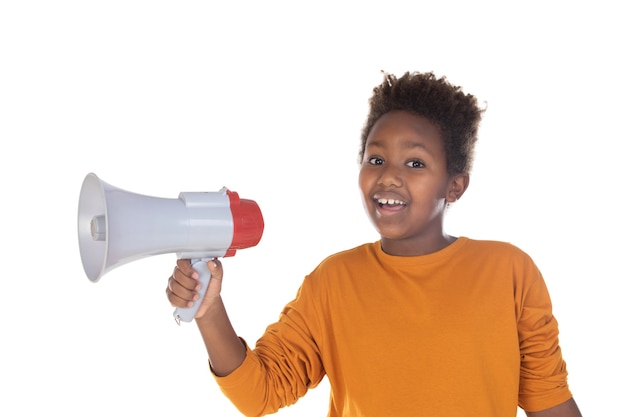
390,176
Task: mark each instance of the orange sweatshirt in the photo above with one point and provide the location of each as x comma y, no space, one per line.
464,331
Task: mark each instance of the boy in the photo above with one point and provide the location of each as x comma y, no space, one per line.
417,323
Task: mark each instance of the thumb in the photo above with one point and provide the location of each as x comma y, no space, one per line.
212,294
215,267
217,274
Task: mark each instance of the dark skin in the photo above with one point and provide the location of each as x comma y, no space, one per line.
225,349
405,188
405,185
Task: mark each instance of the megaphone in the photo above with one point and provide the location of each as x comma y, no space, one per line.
116,227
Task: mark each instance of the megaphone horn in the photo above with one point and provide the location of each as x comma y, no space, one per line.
116,227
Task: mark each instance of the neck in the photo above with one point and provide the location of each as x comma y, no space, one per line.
415,247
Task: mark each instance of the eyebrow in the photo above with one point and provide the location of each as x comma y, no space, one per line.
406,144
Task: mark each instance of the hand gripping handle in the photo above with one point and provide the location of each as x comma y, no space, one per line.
188,314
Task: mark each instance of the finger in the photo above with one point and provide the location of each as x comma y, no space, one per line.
183,286
187,281
180,295
177,301
185,267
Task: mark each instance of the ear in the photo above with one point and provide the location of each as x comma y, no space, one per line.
456,187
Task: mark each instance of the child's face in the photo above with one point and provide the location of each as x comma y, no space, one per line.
405,184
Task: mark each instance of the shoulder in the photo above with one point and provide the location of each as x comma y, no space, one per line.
344,263
491,248
502,259
347,259
359,252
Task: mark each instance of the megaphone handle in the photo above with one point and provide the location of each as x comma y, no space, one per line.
187,314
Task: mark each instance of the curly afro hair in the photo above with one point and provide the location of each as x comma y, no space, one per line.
457,114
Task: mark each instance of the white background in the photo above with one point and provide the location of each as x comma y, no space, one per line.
268,99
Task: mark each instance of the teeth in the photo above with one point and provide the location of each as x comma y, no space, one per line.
390,201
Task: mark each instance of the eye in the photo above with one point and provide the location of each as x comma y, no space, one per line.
415,164
374,160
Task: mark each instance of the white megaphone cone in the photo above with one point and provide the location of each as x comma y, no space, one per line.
116,227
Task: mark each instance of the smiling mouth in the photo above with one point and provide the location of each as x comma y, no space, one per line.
390,202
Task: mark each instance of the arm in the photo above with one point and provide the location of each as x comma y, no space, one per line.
543,372
279,371
566,409
225,349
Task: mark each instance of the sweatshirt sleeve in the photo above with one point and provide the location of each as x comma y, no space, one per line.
281,368
543,374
